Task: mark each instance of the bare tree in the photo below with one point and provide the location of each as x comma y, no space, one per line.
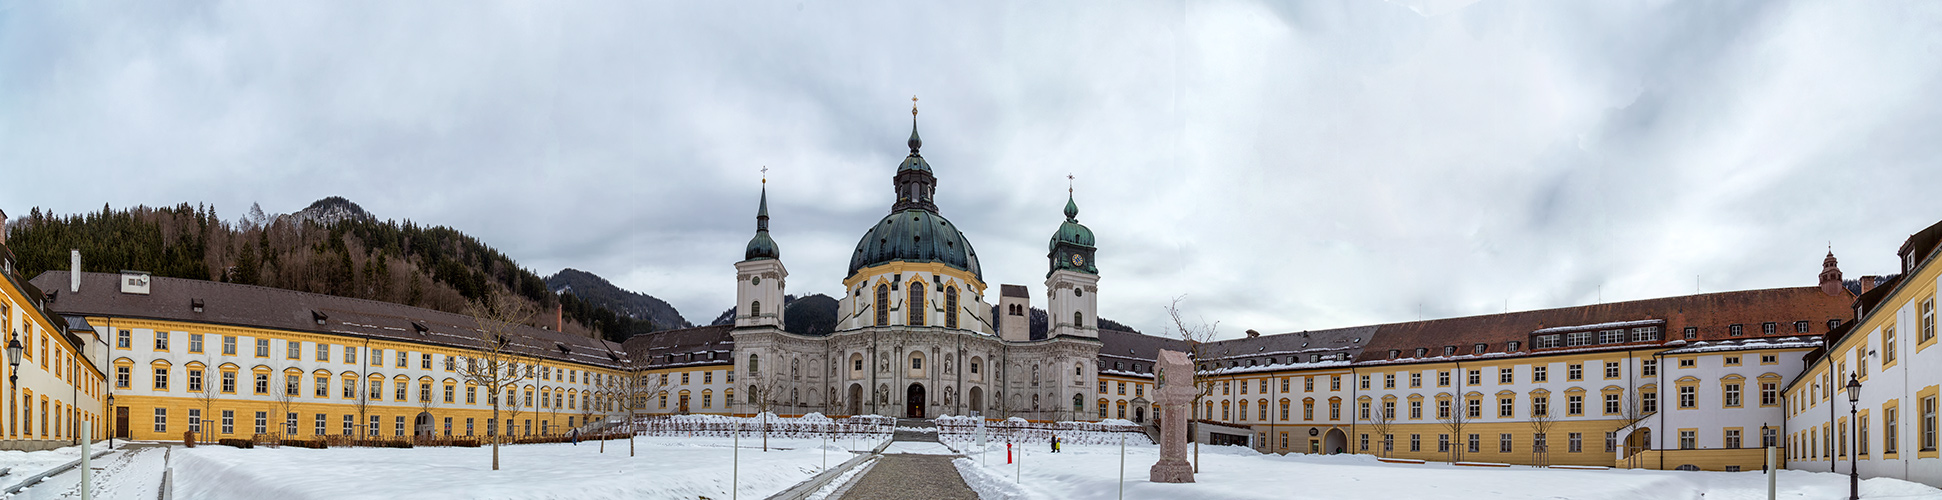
207,398
630,391
284,401
495,363
1453,419
1199,338
364,387
765,392
1541,420
1381,418
426,403
1634,411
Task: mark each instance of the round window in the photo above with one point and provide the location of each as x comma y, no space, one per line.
756,280
1077,292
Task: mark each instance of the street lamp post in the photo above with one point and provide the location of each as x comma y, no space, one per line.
1854,470
111,429
13,371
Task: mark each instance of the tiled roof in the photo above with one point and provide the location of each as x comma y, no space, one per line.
1130,349
1710,313
704,345
278,309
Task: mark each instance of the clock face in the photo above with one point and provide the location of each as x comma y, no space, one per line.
756,280
1078,260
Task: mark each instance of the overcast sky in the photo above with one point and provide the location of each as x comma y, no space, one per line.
1284,166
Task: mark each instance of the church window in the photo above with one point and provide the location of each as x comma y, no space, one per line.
754,364
883,304
755,308
1078,319
916,305
951,307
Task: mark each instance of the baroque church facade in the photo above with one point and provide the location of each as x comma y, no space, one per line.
915,334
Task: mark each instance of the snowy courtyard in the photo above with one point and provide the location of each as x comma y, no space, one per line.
1083,472
663,467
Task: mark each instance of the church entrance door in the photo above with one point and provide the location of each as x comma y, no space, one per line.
977,401
856,399
914,401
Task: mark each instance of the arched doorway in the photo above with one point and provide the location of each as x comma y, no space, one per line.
856,399
1139,414
1335,442
1639,440
422,426
914,401
976,400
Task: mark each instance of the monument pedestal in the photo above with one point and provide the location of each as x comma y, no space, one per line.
1173,396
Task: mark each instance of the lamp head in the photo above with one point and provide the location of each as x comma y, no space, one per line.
14,349
1854,388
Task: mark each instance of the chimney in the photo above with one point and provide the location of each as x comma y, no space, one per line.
559,317
1253,334
74,271
1868,283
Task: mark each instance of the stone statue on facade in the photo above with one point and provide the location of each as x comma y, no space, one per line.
1174,394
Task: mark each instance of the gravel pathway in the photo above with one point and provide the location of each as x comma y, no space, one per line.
901,476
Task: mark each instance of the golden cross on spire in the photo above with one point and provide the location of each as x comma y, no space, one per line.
765,174
913,105
1068,184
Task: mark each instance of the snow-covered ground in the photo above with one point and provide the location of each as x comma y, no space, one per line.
28,463
664,467
1092,472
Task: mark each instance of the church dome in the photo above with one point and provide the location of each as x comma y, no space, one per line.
761,247
915,236
1071,232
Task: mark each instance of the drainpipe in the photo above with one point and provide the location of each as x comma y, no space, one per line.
1658,364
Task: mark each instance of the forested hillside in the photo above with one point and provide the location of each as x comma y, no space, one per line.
597,292
356,255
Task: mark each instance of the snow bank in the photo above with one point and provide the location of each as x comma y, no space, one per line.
661,468
1092,472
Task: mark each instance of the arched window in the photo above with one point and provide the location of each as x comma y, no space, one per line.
1078,403
916,304
1079,370
883,304
950,307
1078,319
754,364
755,309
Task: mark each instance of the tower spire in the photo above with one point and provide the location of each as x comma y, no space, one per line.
761,246
1071,207
914,142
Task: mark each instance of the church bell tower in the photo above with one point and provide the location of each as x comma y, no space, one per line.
1072,284
760,277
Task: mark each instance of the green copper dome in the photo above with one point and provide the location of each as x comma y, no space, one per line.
1071,232
915,236
914,232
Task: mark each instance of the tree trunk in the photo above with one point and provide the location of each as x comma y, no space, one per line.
495,439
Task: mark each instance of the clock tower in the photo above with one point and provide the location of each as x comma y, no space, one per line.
760,276
1072,284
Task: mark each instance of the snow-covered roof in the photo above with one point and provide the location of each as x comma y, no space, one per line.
1600,326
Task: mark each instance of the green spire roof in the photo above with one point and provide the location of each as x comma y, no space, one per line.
761,246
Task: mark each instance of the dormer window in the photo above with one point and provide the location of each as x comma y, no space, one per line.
1395,353
319,316
1511,346
195,305
420,328
1422,351
1479,348
1449,350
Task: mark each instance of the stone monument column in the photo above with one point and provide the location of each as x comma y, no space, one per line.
1174,394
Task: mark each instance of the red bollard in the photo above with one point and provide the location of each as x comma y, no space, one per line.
1007,452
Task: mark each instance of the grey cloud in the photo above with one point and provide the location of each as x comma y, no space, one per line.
1285,166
